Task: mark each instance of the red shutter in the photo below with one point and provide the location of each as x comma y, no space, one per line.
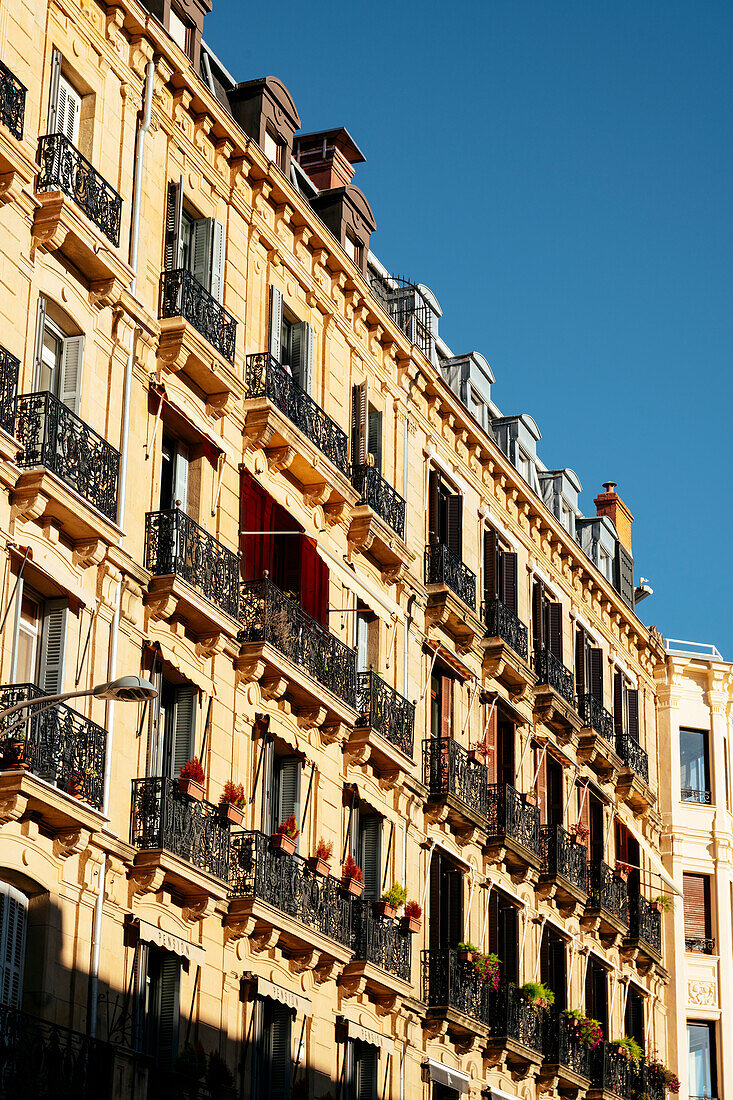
584,818
542,784
256,549
446,706
696,890
492,747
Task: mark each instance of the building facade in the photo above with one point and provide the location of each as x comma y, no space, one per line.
694,686
239,461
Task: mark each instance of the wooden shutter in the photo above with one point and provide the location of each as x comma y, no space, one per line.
446,706
276,323
433,509
696,890
624,574
68,111
72,358
556,976
508,941
38,349
435,932
634,1020
288,788
168,1009
13,922
173,220
595,658
267,778
53,646
301,359
201,251
510,594
492,746
584,817
505,739
454,524
542,785
359,398
366,1066
632,710
374,444
53,98
580,650
278,1065
490,554
370,829
538,623
452,884
184,727
218,258
555,629
619,695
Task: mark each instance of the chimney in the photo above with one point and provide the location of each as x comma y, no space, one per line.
328,157
610,504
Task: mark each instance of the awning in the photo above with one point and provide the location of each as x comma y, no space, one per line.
150,933
663,874
492,1092
179,409
378,602
274,992
367,1035
449,658
451,1078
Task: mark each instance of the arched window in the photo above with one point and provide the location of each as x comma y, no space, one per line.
13,922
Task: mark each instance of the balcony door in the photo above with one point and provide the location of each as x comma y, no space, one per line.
281,784
446,902
58,358
553,965
504,934
588,666
546,621
634,1016
194,244
627,850
596,993
272,1064
174,474
500,572
161,1002
174,735
445,514
500,741
64,105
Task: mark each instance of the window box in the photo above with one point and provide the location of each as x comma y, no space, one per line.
191,788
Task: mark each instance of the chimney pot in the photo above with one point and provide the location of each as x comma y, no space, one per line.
610,504
609,486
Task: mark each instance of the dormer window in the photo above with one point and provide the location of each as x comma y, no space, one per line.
180,31
273,149
353,249
605,563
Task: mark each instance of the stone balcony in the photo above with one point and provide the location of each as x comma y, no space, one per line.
566,1064
451,589
506,654
454,996
597,744
458,789
513,831
607,906
632,784
378,523
384,733
382,949
554,695
517,1040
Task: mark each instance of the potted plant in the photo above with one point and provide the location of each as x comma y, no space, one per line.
286,836
75,784
663,903
231,803
532,797
191,1062
627,1048
623,870
352,877
487,969
412,920
658,1072
318,863
391,900
479,752
466,951
219,1078
191,780
539,995
13,751
589,1031
580,832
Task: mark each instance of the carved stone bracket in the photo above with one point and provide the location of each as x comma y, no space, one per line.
311,717
146,880
336,512
198,908
12,807
210,645
236,928
327,969
263,937
434,1027
69,842
162,608
302,961
273,686
353,985
279,458
313,495
337,733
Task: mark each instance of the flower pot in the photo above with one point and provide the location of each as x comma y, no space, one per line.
13,753
478,755
385,909
465,956
191,788
351,886
531,799
231,813
283,843
74,785
655,906
319,866
411,924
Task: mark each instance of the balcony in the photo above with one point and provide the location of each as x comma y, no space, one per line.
700,946
181,841
451,595
505,649
566,1059
288,652
597,744
555,702
696,794
607,907
12,102
384,728
514,828
52,763
633,781
564,874
453,993
610,1073
516,1029
457,785
9,370
382,955
377,524
644,938
194,576
296,436
56,441
274,895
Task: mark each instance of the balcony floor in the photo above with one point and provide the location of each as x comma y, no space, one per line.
370,535
41,495
304,946
505,666
170,597
278,677
447,610
23,794
182,348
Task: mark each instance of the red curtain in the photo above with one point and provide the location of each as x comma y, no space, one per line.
256,513
313,582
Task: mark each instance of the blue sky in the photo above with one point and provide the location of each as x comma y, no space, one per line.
561,175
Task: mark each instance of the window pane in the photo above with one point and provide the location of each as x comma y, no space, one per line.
694,771
178,31
700,1060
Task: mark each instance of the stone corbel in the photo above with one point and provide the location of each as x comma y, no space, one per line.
146,880
467,835
89,553
327,969
361,533
311,717
338,733
436,813
386,1004
202,127
279,458
250,671
313,495
236,928
198,908
131,596
390,778
353,985
162,608
105,293
209,645
28,505
182,100
263,937
141,51
223,153
302,961
12,807
434,1027
218,404
393,574
273,687
335,512
466,1044
357,752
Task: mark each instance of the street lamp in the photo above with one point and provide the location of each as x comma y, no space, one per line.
127,689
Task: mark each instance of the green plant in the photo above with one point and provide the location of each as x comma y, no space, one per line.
590,1032
538,994
468,947
289,828
395,896
191,1062
665,902
192,770
627,1048
232,795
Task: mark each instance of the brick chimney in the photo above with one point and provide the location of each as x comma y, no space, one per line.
610,504
328,157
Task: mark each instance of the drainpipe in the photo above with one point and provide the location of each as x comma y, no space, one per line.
122,489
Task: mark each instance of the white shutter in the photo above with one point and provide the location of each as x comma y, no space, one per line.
201,251
184,727
302,355
371,855
68,111
38,371
13,922
53,97
276,322
362,644
72,359
267,767
53,647
180,475
173,222
218,255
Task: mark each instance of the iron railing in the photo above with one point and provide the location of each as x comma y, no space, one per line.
611,1071
380,941
700,946
648,1084
645,923
175,545
55,437
9,369
564,857
45,1061
512,816
449,770
633,755
63,168
562,1045
607,892
12,102
257,870
58,745
380,496
383,709
443,567
550,670
162,817
267,615
265,377
695,794
596,717
513,1016
448,982
503,623
405,304
182,295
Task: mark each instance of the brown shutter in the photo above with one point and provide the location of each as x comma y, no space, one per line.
446,705
454,524
596,673
492,746
359,424
584,817
433,489
434,936
622,842
632,702
538,633
555,630
618,703
580,644
510,595
489,565
696,890
542,785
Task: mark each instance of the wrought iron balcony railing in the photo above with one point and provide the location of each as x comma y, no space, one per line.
267,615
513,1016
648,1085
12,102
695,794
550,670
163,818
58,745
380,940
512,816
611,1072
9,369
449,770
383,709
265,377
175,545
645,923
564,857
380,496
503,623
596,717
562,1045
443,567
55,437
45,1061
607,892
257,870
63,168
182,295
633,755
700,946
450,983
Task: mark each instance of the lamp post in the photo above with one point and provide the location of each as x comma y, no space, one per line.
128,689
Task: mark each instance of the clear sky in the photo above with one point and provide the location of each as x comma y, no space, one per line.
560,174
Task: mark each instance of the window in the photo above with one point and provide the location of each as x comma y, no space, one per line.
179,30
596,993
549,788
194,244
274,149
58,358
698,913
367,638
499,739
590,814
478,407
702,1076
504,934
272,1064
694,766
161,1001
634,1016
552,965
291,342
364,1070
365,844
445,514
366,428
445,926
441,703
625,707
13,923
500,573
40,641
174,736
605,563
353,249
281,779
174,468
64,109
567,517
588,666
546,621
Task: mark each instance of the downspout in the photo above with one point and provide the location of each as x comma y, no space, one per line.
122,487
